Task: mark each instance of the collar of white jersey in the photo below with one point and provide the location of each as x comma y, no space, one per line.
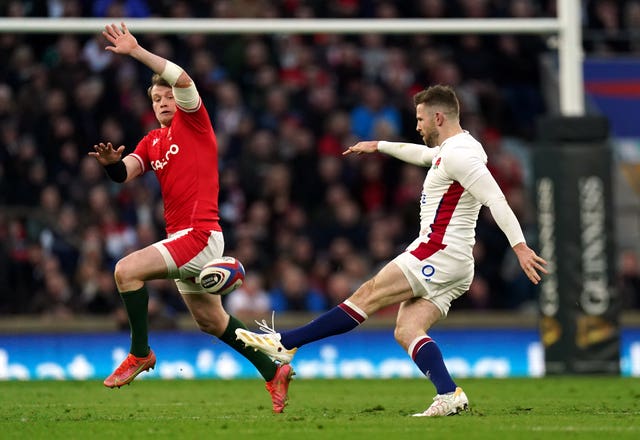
464,132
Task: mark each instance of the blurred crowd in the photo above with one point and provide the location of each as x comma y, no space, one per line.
308,224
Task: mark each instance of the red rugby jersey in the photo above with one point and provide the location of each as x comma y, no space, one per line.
184,157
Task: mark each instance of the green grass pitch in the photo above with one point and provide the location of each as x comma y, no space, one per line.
604,408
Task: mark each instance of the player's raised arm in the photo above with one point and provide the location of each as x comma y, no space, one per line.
123,42
411,153
362,147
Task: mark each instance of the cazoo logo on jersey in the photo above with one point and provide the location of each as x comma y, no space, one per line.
161,163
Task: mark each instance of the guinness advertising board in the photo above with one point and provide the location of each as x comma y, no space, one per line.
579,308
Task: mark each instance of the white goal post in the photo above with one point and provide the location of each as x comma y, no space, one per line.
567,27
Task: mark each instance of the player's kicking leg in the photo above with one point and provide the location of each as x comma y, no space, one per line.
387,287
342,318
129,369
268,343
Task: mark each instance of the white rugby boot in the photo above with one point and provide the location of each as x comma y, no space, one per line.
268,342
446,404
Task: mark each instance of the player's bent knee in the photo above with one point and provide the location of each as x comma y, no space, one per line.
123,277
404,335
212,324
398,334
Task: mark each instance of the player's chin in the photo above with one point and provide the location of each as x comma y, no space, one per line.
165,120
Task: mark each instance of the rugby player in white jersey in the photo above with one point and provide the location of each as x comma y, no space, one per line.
183,153
438,266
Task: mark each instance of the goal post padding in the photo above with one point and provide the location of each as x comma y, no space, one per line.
579,321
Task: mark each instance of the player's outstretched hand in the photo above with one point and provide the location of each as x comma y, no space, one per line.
123,42
362,147
106,154
530,262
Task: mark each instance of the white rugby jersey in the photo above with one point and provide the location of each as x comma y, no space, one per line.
457,185
448,212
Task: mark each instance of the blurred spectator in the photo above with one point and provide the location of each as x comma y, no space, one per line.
604,22
250,301
336,135
228,115
99,296
120,8
628,282
356,267
505,167
165,304
371,111
516,64
406,192
632,25
94,54
232,200
346,222
303,251
292,292
161,314
67,66
396,76
374,55
275,110
339,287
372,190
17,256
383,240
54,298
276,189
57,8
344,60
489,252
302,164
478,297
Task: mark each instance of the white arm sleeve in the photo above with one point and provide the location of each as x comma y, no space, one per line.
187,97
485,189
171,72
412,153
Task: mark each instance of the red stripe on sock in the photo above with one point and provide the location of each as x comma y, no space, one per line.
352,313
419,345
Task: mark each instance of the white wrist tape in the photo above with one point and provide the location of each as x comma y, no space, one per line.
171,72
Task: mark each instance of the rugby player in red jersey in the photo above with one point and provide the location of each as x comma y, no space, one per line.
183,153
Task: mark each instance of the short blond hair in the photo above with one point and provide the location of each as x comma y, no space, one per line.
157,80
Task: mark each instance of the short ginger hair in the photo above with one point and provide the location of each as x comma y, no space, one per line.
443,97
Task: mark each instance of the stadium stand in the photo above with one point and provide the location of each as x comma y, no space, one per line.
283,107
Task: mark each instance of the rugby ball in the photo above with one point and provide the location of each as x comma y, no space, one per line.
222,276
